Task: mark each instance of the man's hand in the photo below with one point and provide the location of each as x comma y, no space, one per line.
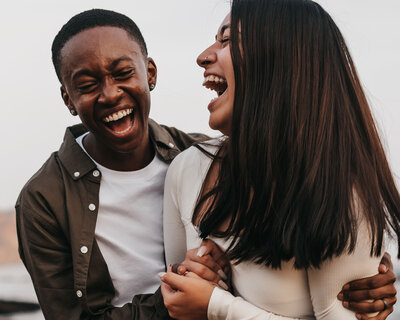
208,262
379,289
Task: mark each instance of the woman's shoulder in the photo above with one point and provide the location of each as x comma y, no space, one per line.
196,155
190,167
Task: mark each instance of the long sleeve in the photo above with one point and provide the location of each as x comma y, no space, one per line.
325,283
174,229
223,305
46,252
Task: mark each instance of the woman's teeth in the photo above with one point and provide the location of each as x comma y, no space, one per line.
209,81
215,83
118,115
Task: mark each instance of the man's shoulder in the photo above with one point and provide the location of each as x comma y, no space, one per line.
179,138
44,183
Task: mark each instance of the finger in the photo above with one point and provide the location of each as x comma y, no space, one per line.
376,281
360,295
207,259
174,267
386,262
202,270
178,268
222,284
166,289
216,252
369,307
381,316
174,280
192,275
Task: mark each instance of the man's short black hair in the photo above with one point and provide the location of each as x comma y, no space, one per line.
90,19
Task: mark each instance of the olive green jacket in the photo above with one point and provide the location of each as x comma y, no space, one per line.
56,219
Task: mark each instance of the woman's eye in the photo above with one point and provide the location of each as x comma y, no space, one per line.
224,40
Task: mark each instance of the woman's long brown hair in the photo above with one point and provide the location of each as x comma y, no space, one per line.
303,143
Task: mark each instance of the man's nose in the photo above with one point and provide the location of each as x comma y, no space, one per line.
110,93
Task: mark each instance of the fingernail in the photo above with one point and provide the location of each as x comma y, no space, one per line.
202,250
181,270
345,304
385,269
223,285
161,275
340,296
358,316
222,274
346,287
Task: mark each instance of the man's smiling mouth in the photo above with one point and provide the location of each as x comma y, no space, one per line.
120,121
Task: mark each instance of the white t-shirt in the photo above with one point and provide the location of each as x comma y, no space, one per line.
129,228
261,292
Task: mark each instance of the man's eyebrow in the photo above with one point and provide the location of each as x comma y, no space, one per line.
81,72
117,61
86,72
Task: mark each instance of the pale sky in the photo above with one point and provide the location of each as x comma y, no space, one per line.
175,32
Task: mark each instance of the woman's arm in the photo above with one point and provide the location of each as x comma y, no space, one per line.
328,280
174,229
192,298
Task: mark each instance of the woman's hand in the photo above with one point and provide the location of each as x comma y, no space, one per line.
355,294
208,262
185,297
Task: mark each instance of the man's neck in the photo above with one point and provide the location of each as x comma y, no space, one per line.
133,160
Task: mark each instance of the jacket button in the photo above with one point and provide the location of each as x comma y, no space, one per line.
77,174
171,144
96,173
84,249
79,293
92,207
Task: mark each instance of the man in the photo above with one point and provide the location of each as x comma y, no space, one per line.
91,246
90,220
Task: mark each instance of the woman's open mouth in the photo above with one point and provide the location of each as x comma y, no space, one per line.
216,83
120,122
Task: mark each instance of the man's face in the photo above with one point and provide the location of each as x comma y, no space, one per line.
106,81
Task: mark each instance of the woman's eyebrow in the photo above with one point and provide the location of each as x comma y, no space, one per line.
222,30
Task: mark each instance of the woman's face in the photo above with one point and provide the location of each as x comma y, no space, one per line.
218,76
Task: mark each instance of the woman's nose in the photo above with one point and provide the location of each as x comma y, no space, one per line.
206,57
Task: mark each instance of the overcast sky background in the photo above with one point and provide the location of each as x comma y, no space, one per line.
33,115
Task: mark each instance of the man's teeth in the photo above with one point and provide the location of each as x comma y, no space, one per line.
214,79
118,115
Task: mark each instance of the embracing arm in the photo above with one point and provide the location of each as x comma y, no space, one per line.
46,253
333,274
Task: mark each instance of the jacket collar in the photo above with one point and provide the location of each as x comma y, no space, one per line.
78,164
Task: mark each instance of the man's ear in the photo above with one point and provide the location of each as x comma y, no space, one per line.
151,73
67,100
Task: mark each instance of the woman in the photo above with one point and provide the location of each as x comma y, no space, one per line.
300,194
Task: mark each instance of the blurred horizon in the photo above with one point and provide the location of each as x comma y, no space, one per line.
175,34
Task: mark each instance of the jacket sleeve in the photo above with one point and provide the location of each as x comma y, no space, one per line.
45,250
